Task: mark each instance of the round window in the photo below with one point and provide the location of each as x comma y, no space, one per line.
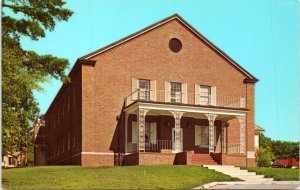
175,45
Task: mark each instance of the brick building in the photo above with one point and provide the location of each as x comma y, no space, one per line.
163,95
40,141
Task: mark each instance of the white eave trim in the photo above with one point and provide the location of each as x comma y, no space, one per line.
127,39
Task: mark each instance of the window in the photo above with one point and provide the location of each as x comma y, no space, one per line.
205,94
201,136
175,45
147,133
144,89
175,92
204,136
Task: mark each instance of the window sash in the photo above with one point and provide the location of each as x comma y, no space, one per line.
205,94
144,89
176,92
204,140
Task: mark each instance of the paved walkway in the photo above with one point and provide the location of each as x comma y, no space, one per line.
252,185
250,180
244,175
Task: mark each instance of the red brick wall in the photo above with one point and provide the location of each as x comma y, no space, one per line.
63,122
97,160
105,85
156,158
233,131
131,159
149,57
236,160
250,122
181,158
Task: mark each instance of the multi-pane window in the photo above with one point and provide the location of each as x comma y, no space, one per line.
144,89
205,95
175,92
203,136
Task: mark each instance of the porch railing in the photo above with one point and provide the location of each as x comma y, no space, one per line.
157,145
231,148
185,98
151,146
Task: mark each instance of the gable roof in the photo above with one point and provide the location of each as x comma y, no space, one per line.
250,78
258,128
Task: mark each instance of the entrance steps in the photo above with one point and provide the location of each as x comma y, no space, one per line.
238,173
203,159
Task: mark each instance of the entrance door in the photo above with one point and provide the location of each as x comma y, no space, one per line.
173,139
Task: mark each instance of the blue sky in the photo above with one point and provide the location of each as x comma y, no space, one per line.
261,35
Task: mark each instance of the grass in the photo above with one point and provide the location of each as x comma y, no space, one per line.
279,174
130,177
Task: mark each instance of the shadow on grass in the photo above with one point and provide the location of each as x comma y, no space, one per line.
4,181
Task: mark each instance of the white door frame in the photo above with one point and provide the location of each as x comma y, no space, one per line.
173,139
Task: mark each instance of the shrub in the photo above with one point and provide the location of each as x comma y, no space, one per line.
264,157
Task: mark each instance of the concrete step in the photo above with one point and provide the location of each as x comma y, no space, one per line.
202,163
248,176
262,180
221,166
238,173
203,160
228,169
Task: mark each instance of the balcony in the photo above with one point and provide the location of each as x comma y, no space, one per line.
164,96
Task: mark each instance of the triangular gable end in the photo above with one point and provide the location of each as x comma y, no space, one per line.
250,78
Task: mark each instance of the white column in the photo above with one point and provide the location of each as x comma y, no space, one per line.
211,131
141,115
177,115
126,129
241,119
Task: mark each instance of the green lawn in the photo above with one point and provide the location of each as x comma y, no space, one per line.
130,177
279,174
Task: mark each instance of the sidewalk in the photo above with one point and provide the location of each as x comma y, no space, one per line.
251,185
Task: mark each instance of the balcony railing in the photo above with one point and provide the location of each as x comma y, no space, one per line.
185,98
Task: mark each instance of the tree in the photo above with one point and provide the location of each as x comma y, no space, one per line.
285,149
264,141
23,71
280,149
